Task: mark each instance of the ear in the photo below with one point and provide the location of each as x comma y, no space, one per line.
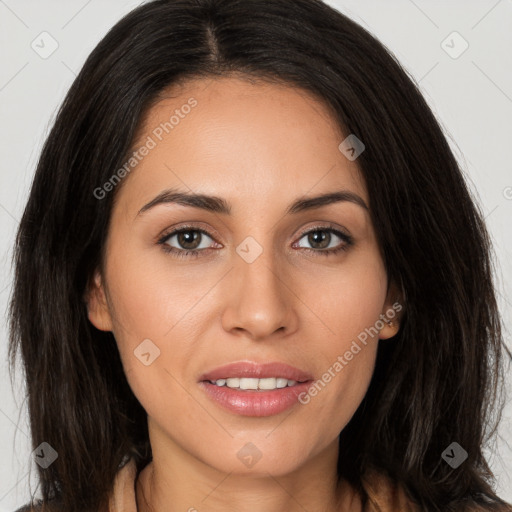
392,312
98,310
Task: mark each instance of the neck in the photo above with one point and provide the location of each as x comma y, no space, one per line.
176,481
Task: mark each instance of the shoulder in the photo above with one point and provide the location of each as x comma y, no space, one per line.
38,507
384,494
122,496
493,508
30,508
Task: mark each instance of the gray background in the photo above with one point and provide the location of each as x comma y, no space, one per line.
470,93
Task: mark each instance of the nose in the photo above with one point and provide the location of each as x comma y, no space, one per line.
260,302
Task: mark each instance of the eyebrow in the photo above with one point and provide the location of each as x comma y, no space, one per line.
217,204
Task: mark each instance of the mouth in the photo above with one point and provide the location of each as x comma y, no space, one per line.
253,384
246,371
252,389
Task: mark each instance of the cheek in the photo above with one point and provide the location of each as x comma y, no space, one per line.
157,311
348,304
336,394
348,300
152,296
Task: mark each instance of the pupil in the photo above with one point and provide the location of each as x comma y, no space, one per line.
314,238
185,238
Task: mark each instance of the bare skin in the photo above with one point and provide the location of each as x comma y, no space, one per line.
260,148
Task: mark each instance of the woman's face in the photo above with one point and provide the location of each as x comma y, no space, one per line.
261,286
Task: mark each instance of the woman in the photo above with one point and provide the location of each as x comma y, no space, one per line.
250,276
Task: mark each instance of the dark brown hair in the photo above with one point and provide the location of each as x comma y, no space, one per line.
437,381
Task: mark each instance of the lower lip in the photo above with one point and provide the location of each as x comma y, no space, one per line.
253,402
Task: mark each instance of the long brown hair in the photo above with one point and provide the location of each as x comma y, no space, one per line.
435,383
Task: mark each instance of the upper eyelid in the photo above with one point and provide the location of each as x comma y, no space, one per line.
164,238
167,233
319,228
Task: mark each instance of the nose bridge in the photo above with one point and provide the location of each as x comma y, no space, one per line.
257,269
260,302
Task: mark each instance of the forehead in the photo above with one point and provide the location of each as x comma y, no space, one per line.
237,139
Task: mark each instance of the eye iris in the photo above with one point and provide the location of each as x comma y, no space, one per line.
313,238
189,237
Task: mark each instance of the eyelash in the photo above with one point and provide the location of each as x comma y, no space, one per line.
194,253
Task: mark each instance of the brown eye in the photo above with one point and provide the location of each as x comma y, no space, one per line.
320,240
186,242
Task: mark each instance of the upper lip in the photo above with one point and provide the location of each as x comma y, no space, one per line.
250,369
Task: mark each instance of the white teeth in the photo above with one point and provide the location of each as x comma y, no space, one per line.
269,383
282,383
233,383
247,383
